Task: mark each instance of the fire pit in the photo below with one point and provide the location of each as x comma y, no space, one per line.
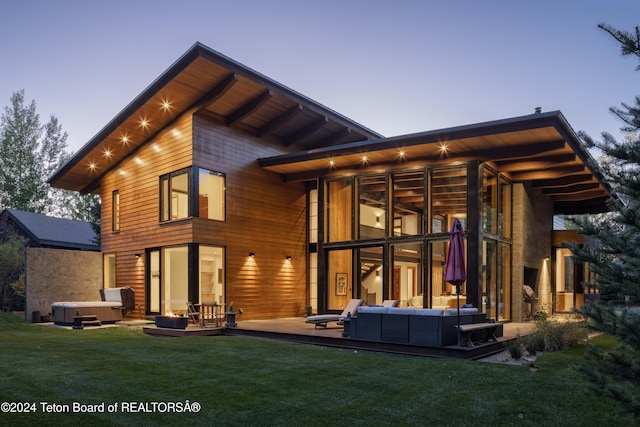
172,322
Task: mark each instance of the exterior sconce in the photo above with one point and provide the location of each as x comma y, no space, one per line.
252,254
378,219
137,255
288,257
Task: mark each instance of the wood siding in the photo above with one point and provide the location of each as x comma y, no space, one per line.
264,215
137,179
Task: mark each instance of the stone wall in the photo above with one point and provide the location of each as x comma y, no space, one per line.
60,275
532,231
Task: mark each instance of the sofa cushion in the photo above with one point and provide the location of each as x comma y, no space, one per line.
429,312
374,309
401,310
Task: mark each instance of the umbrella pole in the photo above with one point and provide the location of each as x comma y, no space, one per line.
458,295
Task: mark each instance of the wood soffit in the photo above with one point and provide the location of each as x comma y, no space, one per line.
206,82
540,148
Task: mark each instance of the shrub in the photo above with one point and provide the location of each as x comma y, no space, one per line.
559,335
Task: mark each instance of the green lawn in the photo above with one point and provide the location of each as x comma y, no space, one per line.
250,381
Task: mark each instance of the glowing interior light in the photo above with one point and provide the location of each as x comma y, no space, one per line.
402,154
107,153
92,166
443,147
364,158
124,139
332,163
166,105
144,123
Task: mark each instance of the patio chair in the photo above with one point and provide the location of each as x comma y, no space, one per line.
192,313
323,319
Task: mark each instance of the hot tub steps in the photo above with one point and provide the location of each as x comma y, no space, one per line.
80,322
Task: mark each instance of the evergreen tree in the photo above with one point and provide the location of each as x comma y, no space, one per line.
613,254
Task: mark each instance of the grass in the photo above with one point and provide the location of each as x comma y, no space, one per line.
249,381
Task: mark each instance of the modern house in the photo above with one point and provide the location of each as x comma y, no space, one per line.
218,183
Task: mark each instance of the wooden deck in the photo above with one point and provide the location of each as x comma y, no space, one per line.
296,330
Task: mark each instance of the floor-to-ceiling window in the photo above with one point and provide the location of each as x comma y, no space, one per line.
496,245
170,285
211,280
569,276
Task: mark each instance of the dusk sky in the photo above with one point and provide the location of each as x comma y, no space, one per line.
396,67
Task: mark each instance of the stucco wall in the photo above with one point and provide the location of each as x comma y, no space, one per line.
60,275
532,231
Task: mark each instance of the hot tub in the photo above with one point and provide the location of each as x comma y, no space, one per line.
107,311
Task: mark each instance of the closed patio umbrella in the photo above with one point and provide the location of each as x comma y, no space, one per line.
455,272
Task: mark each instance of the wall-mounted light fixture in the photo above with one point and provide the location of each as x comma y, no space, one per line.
252,254
288,257
137,255
378,219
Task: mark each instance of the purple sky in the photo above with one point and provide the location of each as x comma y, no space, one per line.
394,66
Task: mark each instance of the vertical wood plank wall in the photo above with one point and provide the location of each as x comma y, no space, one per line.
264,215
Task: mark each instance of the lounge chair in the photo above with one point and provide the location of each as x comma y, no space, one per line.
323,319
390,303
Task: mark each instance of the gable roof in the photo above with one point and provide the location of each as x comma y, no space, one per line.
203,81
48,231
539,148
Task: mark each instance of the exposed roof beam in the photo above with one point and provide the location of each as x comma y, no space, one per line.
214,94
550,173
522,151
332,139
281,120
570,188
248,108
524,164
563,181
584,195
305,131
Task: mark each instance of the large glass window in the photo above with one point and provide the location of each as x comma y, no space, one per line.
340,279
372,206
211,199
504,281
175,279
174,199
176,195
408,203
505,208
371,275
489,277
448,195
211,273
313,216
496,279
109,270
339,201
490,201
406,286
570,274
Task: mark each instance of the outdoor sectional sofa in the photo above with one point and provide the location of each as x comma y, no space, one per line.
424,326
115,302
